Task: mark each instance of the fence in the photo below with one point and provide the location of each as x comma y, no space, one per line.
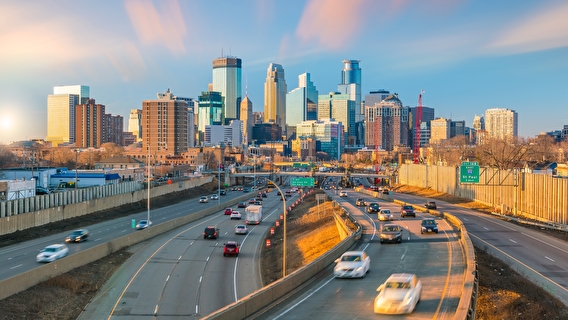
529,195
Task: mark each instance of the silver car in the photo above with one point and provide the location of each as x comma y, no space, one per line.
52,253
385,215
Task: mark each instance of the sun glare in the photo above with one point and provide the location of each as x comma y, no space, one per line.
5,122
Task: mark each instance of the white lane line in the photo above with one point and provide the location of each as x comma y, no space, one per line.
168,278
200,279
123,231
549,258
513,241
196,309
299,302
14,267
156,309
97,239
485,228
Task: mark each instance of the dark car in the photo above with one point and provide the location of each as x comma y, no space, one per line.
78,236
223,192
242,204
391,233
430,205
41,191
374,207
211,232
407,210
231,248
429,225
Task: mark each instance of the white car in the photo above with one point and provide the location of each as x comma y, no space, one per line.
343,194
214,197
52,253
143,224
399,294
385,215
235,215
241,229
203,199
352,264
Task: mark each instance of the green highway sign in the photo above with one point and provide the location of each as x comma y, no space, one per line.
296,164
302,182
469,172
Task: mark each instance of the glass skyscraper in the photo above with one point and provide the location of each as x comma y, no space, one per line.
340,108
210,111
275,95
61,112
302,102
351,83
227,81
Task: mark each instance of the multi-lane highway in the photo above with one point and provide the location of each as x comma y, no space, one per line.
437,259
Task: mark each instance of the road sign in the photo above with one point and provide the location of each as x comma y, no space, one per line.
296,164
302,182
469,172
133,223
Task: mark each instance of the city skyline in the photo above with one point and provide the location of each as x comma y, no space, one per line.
467,56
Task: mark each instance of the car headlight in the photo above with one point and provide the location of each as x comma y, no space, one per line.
408,300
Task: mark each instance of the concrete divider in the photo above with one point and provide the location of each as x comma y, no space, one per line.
30,278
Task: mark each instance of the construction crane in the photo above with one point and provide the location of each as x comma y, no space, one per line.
418,121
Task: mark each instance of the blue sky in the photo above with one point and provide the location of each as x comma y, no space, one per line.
468,56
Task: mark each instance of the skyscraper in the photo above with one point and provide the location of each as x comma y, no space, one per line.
339,108
275,95
302,102
387,124
135,123
227,81
247,120
501,123
478,123
210,111
61,112
351,83
91,128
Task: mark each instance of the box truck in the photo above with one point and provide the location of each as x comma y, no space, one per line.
253,214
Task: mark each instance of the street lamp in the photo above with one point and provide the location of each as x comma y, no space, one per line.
283,227
76,161
149,184
219,183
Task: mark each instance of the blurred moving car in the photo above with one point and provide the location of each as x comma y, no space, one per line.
343,194
352,264
407,210
211,232
214,197
223,192
360,202
430,205
203,199
241,229
52,253
429,225
231,248
228,211
236,215
143,224
242,204
374,207
78,236
399,294
391,233
41,191
385,215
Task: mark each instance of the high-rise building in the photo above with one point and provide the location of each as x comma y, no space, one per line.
339,107
457,128
210,111
114,129
164,125
427,116
229,134
501,123
439,130
302,102
135,123
61,112
478,123
327,133
351,83
275,95
227,81
387,124
246,119
91,125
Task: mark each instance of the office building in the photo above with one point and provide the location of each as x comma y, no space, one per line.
246,119
227,81
351,83
135,123
478,123
210,111
164,125
387,124
427,116
327,133
275,90
302,102
91,125
84,92
439,130
229,134
457,128
114,129
61,104
501,123
339,107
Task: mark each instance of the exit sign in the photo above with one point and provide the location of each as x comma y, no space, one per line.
469,172
302,182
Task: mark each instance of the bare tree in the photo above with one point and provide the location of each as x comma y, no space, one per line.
503,153
111,150
7,158
210,160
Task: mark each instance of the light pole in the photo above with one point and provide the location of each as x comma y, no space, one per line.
219,183
76,174
283,228
254,171
149,184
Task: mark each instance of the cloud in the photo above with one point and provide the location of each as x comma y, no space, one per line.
544,30
164,27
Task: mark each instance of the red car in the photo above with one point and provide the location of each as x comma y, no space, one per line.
231,248
228,211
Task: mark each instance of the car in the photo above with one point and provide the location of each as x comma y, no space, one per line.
234,189
385,215
429,225
203,199
391,233
264,195
143,224
398,295
214,197
407,210
227,211
42,191
52,253
360,202
352,264
430,205
242,204
240,188
231,248
223,192
78,236
241,229
257,203
211,232
251,200
236,215
343,194
374,207
245,190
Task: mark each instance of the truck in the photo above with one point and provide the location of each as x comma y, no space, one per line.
253,214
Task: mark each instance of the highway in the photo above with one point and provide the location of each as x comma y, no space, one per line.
181,275
437,260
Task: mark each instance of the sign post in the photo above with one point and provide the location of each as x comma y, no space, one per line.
469,172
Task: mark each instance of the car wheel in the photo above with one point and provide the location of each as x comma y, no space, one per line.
423,232
237,255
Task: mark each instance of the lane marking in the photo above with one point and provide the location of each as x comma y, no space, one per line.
513,241
14,267
549,258
486,228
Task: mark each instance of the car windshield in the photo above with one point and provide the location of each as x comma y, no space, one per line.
50,249
231,245
386,211
428,222
374,204
351,258
408,208
75,233
398,285
390,228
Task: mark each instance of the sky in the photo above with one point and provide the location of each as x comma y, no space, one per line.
467,55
